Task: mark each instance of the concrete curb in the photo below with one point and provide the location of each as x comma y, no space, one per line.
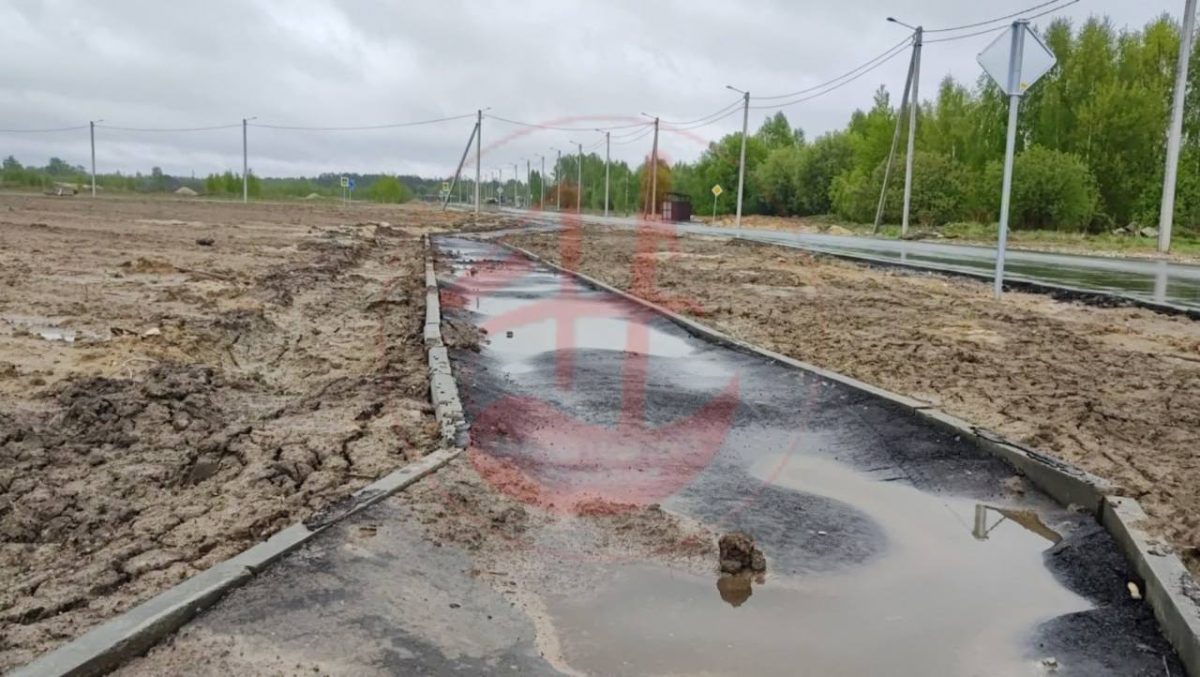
443,390
1169,588
107,646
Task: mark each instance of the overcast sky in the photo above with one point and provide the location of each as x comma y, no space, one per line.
154,64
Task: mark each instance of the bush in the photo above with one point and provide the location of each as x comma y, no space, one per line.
388,189
1051,189
942,192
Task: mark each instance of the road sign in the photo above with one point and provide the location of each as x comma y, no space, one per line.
345,182
350,183
1034,61
445,186
717,190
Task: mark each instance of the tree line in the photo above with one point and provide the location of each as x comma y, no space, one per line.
1091,146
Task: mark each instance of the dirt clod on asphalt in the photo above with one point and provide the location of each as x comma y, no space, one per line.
181,378
739,553
1115,391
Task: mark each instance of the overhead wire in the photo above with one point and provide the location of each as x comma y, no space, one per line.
391,125
535,125
169,129
884,55
999,18
45,130
830,88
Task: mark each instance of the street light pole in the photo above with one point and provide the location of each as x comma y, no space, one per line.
607,156
542,185
918,34
741,160
528,183
1166,213
516,184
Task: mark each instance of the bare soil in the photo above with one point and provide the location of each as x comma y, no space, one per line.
209,394
1115,391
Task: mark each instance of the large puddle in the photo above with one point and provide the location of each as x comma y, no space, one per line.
867,573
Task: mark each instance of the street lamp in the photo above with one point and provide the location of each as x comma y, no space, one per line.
92,131
245,161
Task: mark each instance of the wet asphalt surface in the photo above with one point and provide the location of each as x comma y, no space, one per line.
893,547
1145,280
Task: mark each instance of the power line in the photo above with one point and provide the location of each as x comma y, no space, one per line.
832,88
732,111
169,129
560,129
884,55
724,109
44,131
641,135
392,125
1001,29
999,18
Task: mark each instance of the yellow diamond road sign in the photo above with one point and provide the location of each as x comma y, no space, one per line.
717,190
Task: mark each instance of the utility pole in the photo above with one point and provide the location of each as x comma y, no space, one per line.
741,160
1166,213
918,34
557,183
579,198
887,169
245,162
607,162
653,169
92,128
478,155
516,184
528,184
542,185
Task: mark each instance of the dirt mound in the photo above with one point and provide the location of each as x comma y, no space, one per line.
149,266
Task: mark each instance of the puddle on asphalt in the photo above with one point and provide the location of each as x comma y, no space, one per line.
958,590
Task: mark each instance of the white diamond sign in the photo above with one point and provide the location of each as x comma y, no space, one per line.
1035,59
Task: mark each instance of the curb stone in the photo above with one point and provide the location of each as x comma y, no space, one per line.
1170,590
130,634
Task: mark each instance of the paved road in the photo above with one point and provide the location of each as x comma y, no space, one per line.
1145,280
605,443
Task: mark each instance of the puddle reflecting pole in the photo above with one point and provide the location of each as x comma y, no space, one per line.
1010,145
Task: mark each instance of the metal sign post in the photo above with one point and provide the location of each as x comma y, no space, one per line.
1014,70
716,191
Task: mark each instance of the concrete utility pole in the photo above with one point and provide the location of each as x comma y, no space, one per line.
579,197
92,128
528,183
918,34
741,160
653,170
887,169
245,161
516,184
542,185
557,183
478,155
1166,214
607,155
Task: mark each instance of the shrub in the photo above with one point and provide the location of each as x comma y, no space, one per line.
1051,189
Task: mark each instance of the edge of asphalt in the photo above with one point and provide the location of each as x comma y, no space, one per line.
1173,595
132,633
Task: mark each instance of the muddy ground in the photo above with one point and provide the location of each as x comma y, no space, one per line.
1113,390
181,378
